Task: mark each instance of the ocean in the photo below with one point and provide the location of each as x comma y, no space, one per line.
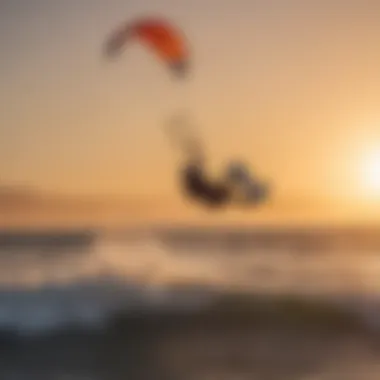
190,303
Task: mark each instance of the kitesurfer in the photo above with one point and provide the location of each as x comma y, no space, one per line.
197,185
237,186
194,179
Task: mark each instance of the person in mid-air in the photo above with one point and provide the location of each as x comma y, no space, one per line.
195,182
197,185
237,186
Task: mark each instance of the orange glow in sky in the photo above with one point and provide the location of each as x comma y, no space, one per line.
286,85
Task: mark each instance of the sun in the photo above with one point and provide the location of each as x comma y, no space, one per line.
371,173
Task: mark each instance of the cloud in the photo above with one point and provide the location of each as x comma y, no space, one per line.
14,197
27,206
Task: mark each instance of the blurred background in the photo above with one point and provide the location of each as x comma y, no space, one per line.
107,271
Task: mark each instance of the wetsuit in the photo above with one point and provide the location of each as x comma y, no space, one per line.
198,186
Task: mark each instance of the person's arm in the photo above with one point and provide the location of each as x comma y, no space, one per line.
178,131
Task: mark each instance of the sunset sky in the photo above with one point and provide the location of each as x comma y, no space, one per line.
293,87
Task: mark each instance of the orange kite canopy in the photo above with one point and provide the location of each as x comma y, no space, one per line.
161,36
